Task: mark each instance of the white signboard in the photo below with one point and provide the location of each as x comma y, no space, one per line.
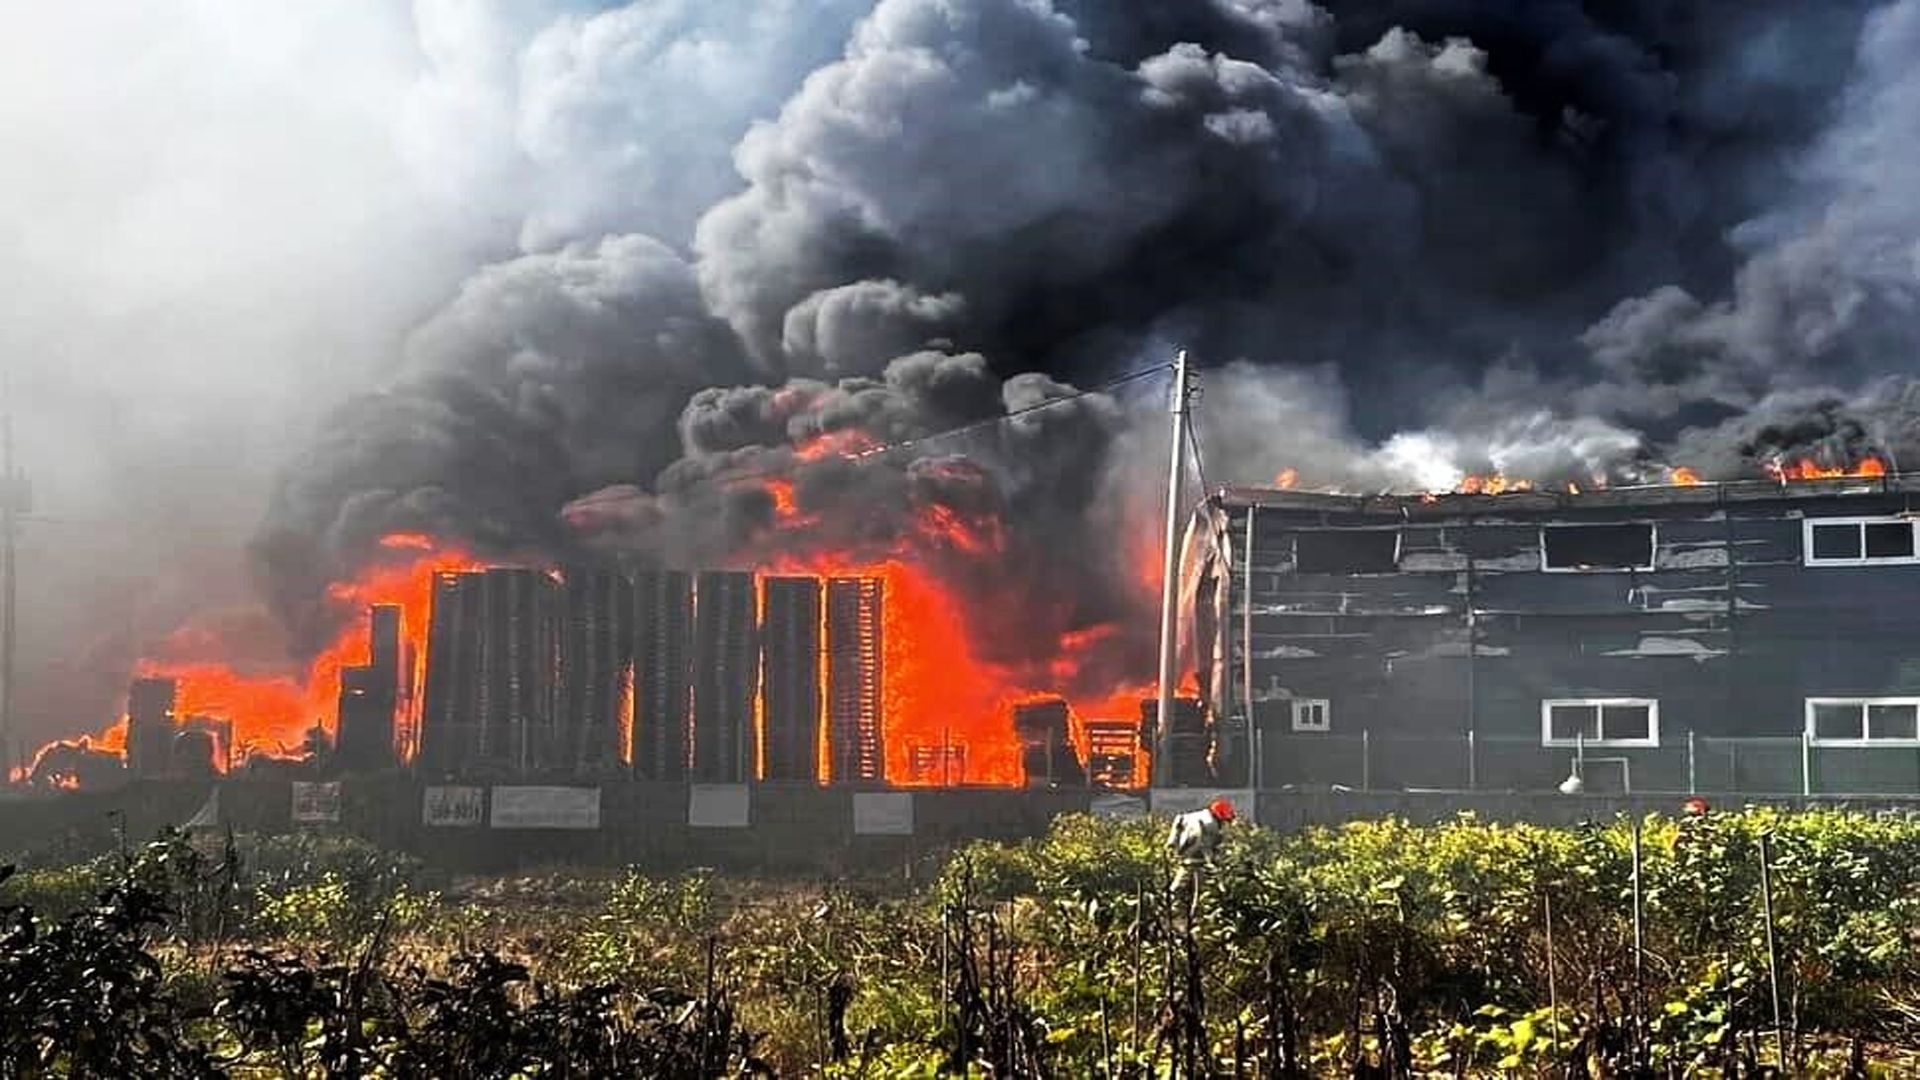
539,807
883,813
315,804
1119,807
453,806
719,806
1170,801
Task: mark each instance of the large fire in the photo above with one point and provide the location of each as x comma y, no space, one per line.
938,693
272,712
1497,483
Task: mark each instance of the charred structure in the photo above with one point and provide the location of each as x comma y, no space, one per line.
662,674
490,673
1740,636
790,678
726,674
854,665
370,697
150,726
594,675
1045,743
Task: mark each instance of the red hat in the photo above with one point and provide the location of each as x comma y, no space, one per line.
1221,809
1695,806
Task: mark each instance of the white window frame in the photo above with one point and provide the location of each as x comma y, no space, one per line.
1653,550
1653,721
1303,709
1808,558
1865,719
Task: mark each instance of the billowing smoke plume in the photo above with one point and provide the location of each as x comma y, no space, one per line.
1409,239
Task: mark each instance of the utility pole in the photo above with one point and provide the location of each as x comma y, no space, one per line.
1170,579
10,510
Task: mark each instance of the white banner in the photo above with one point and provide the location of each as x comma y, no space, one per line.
1119,807
315,804
536,807
883,813
719,806
1170,801
453,806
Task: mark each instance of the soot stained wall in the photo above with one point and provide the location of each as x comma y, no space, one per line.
1729,630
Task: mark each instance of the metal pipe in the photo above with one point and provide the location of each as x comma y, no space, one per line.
1639,937
9,524
1553,989
1366,760
1693,786
1170,568
1806,764
1246,652
1773,962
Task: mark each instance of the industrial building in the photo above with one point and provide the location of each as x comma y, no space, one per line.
1750,636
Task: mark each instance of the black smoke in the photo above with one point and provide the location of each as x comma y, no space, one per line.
1409,238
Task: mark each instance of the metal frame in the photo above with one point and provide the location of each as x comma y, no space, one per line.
1326,715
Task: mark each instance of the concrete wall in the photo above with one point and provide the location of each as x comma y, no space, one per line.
792,829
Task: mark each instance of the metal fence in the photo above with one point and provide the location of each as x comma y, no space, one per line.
1757,766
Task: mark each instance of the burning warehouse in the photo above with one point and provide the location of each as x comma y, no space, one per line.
1745,636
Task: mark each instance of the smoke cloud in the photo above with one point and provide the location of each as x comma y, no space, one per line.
625,266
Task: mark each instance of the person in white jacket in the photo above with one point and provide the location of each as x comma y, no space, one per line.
1193,840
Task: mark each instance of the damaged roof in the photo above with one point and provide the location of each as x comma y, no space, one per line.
1543,501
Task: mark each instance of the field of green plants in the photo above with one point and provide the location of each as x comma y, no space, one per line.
1380,949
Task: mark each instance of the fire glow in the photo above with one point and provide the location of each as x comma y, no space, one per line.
1809,469
938,693
272,713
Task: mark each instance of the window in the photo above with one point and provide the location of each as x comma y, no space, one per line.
1311,714
1858,541
1575,548
1864,721
1600,722
1347,551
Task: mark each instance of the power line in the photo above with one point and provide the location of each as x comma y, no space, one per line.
1111,384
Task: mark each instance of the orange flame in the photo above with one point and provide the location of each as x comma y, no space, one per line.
1287,479
275,711
938,692
1682,476
1809,469
844,442
1493,484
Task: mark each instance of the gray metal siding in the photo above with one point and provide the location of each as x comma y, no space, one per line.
1729,631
